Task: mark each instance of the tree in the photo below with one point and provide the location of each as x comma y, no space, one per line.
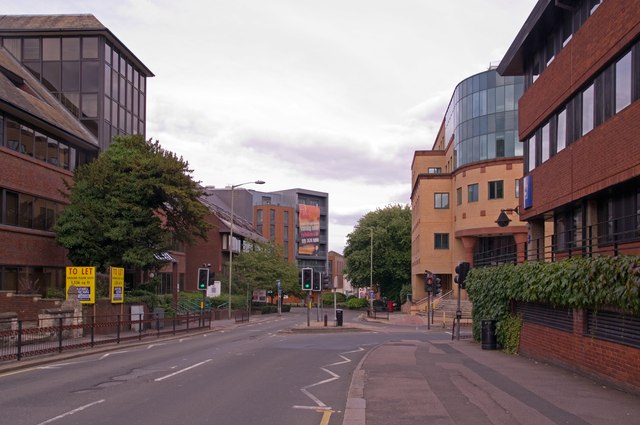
391,229
136,200
261,267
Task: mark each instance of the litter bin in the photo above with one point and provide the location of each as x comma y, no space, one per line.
338,317
489,335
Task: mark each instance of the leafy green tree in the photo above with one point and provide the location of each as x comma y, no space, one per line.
134,201
391,230
263,266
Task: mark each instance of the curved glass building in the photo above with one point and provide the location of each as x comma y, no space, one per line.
482,118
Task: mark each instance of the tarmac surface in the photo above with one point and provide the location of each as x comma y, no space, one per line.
449,382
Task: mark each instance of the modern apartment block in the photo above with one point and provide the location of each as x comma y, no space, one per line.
297,220
579,124
67,86
461,185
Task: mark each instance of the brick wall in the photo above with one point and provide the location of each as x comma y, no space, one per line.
615,363
26,306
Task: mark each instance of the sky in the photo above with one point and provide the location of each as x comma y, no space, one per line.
333,96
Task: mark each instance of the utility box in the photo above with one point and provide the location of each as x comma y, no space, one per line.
339,317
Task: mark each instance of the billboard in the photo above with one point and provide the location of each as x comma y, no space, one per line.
309,222
117,285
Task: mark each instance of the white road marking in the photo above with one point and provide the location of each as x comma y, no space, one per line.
104,356
71,412
162,378
56,365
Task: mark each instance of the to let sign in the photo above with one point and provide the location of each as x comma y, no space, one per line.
84,279
117,285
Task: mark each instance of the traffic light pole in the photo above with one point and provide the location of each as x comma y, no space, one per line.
308,310
429,310
458,315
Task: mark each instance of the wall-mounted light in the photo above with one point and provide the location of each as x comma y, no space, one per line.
503,220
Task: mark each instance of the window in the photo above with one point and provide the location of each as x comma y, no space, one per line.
459,195
496,189
517,188
546,141
434,170
623,82
472,193
561,131
441,241
587,109
532,153
441,200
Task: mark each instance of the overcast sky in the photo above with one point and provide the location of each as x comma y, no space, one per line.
326,95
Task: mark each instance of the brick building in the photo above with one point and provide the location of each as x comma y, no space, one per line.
579,122
461,185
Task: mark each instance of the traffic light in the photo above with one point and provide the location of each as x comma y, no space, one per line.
461,274
203,279
325,281
428,282
307,279
316,281
437,286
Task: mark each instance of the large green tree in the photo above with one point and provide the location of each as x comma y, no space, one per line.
261,267
386,231
134,201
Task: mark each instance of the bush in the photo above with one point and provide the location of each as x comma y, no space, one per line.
357,303
327,298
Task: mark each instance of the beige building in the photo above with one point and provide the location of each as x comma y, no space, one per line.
461,185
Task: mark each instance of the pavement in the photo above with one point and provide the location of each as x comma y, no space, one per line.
457,382
445,382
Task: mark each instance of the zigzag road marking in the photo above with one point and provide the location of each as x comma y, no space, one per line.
320,406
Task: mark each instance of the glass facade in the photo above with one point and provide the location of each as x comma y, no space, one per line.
482,118
91,78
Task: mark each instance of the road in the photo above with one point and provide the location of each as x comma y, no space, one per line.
257,373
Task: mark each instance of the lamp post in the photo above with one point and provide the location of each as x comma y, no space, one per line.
231,238
371,273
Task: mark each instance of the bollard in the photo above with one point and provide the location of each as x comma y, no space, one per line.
325,320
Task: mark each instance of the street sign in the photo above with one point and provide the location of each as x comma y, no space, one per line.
84,279
117,285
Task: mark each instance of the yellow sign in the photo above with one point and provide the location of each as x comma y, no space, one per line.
117,285
83,278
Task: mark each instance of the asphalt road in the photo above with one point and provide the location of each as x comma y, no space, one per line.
258,373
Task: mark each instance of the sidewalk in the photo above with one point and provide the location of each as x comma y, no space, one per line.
456,382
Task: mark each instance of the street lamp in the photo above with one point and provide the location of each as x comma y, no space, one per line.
231,238
371,273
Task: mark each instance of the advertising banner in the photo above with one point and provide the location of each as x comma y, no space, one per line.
309,222
83,278
117,285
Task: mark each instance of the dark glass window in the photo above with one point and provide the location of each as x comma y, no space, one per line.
587,109
561,130
472,192
31,49
70,49
90,76
51,49
441,200
546,142
71,101
26,210
70,76
14,46
89,105
623,82
11,211
496,189
90,48
441,240
459,196
41,147
51,76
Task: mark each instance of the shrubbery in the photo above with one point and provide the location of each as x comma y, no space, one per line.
357,303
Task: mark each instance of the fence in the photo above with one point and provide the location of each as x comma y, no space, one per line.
28,338
611,237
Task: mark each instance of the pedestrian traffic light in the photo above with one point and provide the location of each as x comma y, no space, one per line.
307,279
203,278
317,281
437,286
428,282
461,274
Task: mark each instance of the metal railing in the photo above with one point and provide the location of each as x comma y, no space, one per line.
612,237
28,338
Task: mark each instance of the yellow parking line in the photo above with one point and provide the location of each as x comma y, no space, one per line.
326,415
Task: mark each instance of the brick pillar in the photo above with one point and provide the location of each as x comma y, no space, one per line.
521,240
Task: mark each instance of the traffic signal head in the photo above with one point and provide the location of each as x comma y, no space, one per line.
203,278
428,282
461,274
325,281
307,279
437,286
316,281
